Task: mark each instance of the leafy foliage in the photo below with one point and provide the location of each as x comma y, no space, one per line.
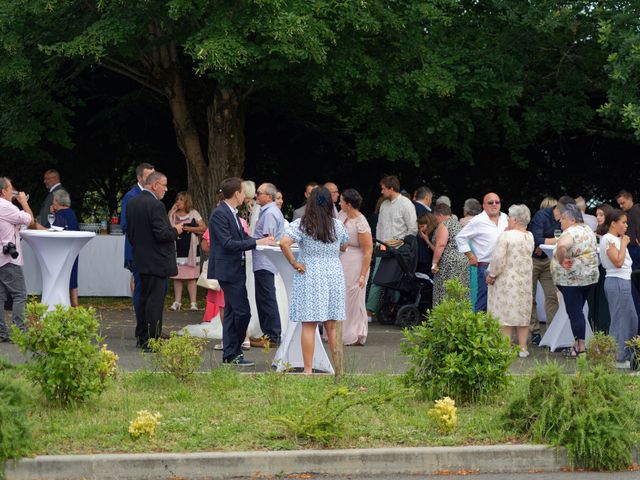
601,350
456,352
320,422
15,434
65,358
179,356
590,413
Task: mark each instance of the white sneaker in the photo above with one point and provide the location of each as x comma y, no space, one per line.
523,353
625,364
175,306
218,346
193,307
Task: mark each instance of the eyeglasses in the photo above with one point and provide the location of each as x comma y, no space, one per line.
493,202
258,192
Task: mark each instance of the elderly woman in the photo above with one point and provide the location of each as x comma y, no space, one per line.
66,218
187,248
318,290
355,264
509,277
574,269
448,262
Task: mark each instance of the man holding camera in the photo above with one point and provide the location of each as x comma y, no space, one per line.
12,285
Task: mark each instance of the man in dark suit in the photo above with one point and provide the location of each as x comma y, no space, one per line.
154,253
422,200
52,182
142,172
229,242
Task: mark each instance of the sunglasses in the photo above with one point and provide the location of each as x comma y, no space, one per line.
493,202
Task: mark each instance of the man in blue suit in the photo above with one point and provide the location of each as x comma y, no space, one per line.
229,242
142,172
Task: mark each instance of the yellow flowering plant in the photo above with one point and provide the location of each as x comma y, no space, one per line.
445,413
144,424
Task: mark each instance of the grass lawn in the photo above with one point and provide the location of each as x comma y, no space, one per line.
223,410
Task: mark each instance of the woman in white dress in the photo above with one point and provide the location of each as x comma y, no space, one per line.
509,277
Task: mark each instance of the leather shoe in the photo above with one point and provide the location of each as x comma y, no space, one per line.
239,361
535,339
5,340
261,342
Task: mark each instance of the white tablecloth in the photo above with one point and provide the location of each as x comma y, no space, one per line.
101,271
559,333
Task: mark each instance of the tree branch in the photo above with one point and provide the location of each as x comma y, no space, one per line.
128,72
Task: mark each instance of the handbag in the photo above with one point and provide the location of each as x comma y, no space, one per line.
204,282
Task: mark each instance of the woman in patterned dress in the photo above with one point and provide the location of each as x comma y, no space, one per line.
318,290
574,269
509,277
448,262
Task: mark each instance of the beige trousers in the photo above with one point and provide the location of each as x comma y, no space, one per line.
542,274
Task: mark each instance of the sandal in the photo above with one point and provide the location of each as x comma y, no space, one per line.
571,352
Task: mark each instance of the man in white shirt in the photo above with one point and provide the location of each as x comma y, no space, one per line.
396,220
482,231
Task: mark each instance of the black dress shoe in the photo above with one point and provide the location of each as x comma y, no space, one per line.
239,361
536,339
5,340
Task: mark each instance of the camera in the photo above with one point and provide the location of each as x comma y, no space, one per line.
10,249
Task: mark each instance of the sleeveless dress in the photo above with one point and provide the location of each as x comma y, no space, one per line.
453,264
187,247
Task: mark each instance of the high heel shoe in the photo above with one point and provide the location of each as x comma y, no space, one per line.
193,307
175,306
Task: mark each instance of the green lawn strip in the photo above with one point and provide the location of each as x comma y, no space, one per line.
224,411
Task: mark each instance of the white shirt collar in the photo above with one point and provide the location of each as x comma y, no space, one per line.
54,186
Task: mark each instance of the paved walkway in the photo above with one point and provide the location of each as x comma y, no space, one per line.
380,354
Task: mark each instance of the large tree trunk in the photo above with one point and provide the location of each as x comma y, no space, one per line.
226,150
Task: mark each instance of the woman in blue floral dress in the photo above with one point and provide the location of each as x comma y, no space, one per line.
318,290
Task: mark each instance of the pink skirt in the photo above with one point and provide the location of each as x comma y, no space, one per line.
185,272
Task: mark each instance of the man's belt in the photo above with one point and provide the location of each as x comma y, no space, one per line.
483,264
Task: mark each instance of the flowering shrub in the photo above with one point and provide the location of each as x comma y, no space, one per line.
65,359
144,424
109,363
445,414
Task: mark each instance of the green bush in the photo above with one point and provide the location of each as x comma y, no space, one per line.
590,413
601,350
15,437
65,358
179,356
634,345
458,353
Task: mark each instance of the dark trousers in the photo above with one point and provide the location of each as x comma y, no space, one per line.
267,304
153,291
237,315
481,299
574,299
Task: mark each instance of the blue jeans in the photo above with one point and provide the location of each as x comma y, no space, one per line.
481,299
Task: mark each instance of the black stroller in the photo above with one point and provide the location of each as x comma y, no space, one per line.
406,297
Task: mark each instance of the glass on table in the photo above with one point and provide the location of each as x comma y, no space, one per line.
51,218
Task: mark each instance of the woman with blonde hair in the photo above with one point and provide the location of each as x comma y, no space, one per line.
187,248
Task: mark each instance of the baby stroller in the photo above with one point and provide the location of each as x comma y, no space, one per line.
405,299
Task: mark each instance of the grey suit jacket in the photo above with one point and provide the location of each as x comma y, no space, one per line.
299,212
46,205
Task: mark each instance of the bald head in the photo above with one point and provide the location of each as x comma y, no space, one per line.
491,204
333,190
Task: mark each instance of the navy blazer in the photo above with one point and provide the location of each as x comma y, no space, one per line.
128,249
228,243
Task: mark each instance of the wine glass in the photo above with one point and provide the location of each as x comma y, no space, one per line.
557,233
51,218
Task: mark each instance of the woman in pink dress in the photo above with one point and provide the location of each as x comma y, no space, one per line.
355,263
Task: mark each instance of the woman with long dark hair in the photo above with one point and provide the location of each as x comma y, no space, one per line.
318,290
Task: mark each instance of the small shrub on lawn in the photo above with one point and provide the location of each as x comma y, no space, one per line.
445,414
458,353
145,424
634,345
601,350
65,357
15,437
590,413
320,422
179,356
